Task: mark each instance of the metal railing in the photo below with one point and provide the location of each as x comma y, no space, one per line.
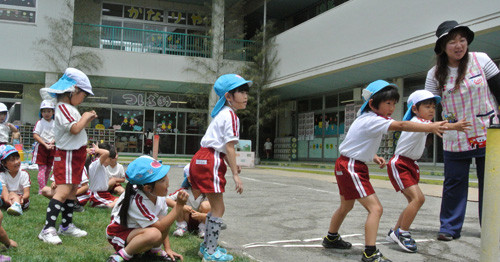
150,41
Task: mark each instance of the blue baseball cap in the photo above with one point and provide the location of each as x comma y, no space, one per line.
224,84
418,96
373,88
185,183
145,169
6,151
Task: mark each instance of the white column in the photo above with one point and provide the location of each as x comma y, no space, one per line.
217,47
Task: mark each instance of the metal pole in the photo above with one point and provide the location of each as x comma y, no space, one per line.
257,146
490,230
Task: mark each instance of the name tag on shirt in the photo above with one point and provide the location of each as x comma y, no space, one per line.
201,162
57,158
338,173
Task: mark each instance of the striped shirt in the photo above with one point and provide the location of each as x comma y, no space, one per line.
65,117
224,128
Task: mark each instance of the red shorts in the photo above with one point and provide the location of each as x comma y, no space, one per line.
117,235
207,171
101,198
42,155
83,198
403,172
68,166
353,179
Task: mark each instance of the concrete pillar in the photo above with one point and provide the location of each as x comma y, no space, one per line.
398,112
217,47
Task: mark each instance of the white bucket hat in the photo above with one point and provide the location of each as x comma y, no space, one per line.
3,108
418,96
72,77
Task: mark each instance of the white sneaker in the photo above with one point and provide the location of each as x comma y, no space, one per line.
15,209
72,230
50,236
179,232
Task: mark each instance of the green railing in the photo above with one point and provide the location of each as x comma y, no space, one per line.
150,41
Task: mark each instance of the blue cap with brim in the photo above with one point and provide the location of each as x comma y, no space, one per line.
224,84
145,169
6,151
416,97
72,77
371,90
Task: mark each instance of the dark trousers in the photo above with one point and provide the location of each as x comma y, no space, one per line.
456,186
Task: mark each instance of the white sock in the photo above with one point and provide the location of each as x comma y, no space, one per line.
182,224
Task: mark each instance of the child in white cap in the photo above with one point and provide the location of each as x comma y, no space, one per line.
45,148
139,222
5,127
403,168
195,210
208,166
16,182
71,144
360,146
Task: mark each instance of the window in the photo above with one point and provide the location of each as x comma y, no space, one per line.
18,10
317,103
128,120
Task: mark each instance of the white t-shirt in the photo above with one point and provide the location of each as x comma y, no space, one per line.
17,183
45,130
224,128
268,145
98,177
66,116
142,212
488,66
364,136
412,144
192,202
4,132
85,178
118,171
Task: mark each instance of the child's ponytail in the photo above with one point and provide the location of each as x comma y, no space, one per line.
125,203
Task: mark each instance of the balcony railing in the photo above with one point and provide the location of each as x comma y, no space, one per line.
150,41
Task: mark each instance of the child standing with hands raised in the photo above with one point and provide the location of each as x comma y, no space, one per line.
45,149
71,150
139,222
360,146
207,168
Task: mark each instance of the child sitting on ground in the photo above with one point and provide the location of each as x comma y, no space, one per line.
195,210
4,238
82,193
359,147
98,176
16,182
403,168
140,223
116,175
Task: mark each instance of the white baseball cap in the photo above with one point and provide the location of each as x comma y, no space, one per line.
47,104
418,96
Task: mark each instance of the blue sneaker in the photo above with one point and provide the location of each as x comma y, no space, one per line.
202,250
404,240
216,256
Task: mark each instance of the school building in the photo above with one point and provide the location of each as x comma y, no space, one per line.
328,50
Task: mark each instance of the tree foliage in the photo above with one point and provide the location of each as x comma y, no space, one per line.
56,49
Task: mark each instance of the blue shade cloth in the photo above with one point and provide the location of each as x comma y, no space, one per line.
371,90
224,84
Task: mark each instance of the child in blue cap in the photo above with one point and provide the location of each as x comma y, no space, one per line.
139,221
71,150
16,182
208,166
360,146
4,238
403,168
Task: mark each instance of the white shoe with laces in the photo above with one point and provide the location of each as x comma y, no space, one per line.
15,209
179,232
50,236
72,230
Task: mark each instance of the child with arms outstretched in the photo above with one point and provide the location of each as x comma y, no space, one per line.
403,168
360,146
139,222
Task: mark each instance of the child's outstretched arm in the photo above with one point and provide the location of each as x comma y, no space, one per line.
87,117
379,160
231,161
103,153
461,125
437,127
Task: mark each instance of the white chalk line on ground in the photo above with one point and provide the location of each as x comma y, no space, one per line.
281,184
279,243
